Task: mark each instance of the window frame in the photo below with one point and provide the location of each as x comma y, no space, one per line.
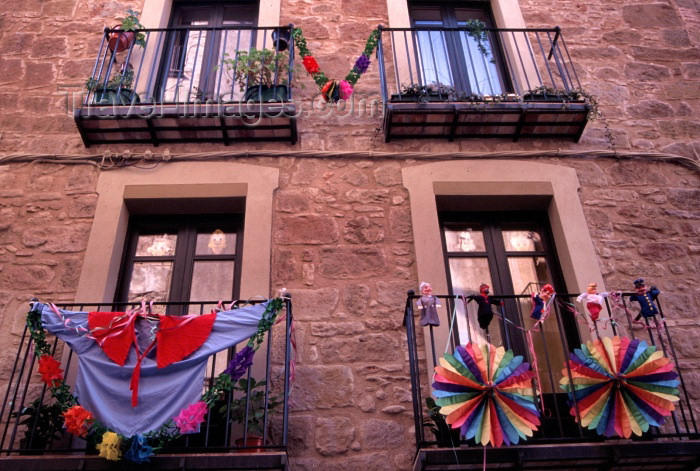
457,56
187,227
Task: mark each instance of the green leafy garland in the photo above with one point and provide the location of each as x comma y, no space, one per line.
159,438
332,90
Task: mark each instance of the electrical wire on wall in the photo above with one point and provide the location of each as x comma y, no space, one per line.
148,159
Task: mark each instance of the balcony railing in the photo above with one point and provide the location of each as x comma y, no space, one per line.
223,438
193,84
559,441
501,75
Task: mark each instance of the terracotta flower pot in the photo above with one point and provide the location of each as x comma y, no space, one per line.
118,42
250,441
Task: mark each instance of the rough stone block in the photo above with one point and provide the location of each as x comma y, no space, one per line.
294,201
334,435
356,298
651,16
315,304
388,175
322,387
650,109
352,262
400,224
383,434
307,229
23,277
358,231
662,251
284,266
682,198
380,347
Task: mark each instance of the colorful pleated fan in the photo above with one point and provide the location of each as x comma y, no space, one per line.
487,393
621,386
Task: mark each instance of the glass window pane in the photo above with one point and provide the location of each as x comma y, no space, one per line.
212,281
150,281
464,238
466,275
156,245
481,68
522,241
527,273
216,242
434,61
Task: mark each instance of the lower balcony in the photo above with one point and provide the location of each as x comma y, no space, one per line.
190,84
244,428
493,83
559,441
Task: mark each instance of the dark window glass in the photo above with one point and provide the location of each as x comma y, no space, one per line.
181,258
453,58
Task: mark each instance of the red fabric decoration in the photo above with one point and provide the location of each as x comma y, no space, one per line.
175,343
114,333
310,64
77,420
50,371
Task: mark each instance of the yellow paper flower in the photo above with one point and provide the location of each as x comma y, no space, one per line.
109,448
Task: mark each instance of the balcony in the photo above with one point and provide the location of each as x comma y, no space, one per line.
559,442
190,84
225,440
493,83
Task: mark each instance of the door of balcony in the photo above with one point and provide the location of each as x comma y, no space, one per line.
181,259
191,68
513,254
454,58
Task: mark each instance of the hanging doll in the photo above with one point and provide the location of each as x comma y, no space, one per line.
594,300
428,304
645,298
484,313
540,302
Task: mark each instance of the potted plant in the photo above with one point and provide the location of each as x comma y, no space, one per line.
252,403
129,33
261,73
118,89
44,425
445,436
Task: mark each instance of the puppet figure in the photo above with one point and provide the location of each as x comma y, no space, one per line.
484,313
594,300
645,298
428,304
540,302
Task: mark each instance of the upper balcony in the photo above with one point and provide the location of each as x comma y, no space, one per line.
190,84
559,441
245,428
479,82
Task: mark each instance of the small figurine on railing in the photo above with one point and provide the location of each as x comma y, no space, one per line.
428,304
484,313
645,298
594,300
541,302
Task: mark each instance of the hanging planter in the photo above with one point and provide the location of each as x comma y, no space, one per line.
128,33
281,38
121,41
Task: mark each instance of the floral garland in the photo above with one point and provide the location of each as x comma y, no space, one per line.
334,90
139,448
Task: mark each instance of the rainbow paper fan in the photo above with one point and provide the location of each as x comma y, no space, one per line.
487,393
621,386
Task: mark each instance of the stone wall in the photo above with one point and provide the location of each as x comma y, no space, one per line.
342,239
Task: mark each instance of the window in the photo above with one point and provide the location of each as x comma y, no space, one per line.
453,58
194,50
181,258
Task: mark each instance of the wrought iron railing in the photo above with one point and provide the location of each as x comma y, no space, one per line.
560,334
458,64
191,65
23,430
